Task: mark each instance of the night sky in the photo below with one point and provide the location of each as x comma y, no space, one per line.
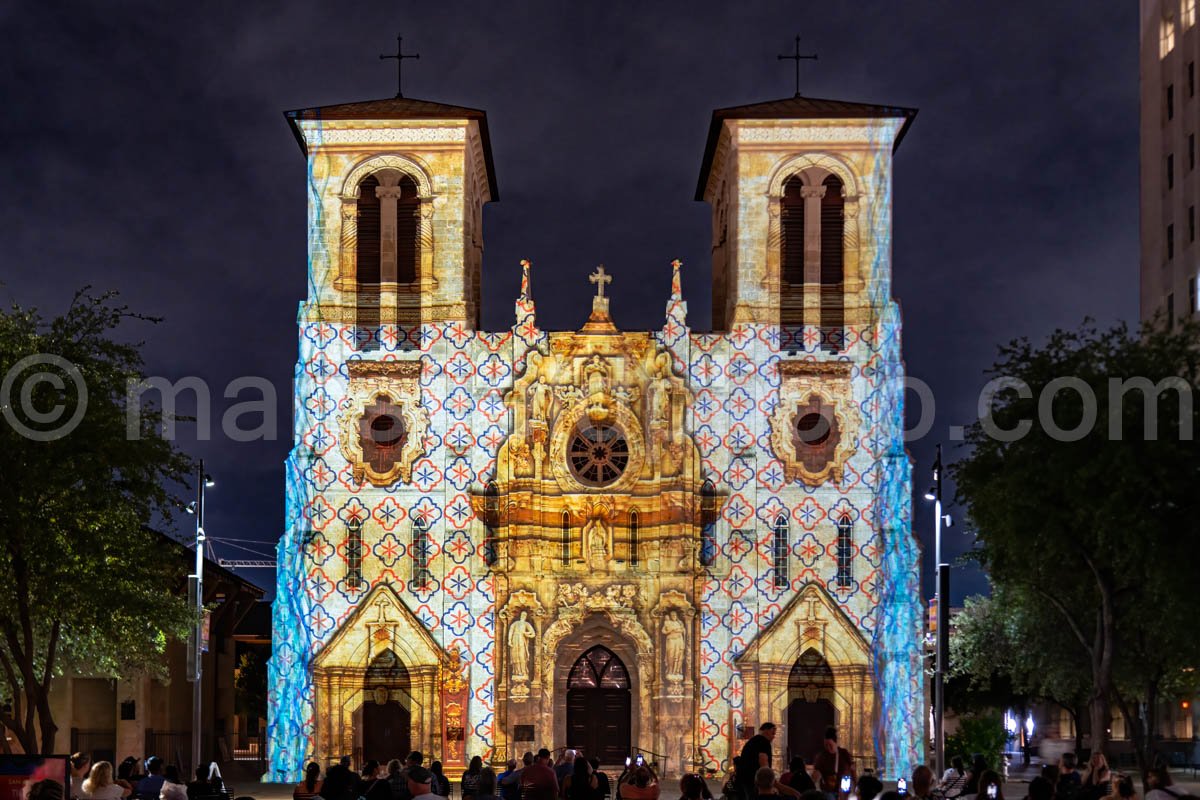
144,151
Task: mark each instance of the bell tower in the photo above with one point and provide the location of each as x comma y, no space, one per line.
396,190
800,191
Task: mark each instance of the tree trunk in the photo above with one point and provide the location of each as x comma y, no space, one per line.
1077,715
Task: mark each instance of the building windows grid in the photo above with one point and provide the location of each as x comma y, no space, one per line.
634,538
1166,41
780,548
1171,171
1191,76
1191,223
1191,151
1192,295
845,553
565,538
1170,101
1188,17
1170,242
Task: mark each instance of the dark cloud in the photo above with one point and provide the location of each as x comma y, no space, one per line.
144,150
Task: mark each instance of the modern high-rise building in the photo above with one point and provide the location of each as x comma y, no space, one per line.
1170,183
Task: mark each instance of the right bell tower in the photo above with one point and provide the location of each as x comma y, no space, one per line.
801,193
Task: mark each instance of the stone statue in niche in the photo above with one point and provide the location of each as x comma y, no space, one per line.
380,695
539,401
595,536
520,635
674,643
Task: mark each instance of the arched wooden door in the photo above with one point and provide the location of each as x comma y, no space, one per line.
810,705
598,706
386,719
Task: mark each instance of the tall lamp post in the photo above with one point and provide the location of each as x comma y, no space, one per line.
196,596
942,595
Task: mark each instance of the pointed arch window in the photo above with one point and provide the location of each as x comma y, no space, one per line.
490,551
845,553
833,276
565,539
708,530
779,551
634,536
408,231
419,548
367,265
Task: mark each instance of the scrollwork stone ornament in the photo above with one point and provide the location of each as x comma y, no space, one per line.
373,385
807,388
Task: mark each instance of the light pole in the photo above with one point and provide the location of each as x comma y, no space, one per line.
196,596
942,595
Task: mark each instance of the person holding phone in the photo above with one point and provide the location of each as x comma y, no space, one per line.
833,764
989,786
921,786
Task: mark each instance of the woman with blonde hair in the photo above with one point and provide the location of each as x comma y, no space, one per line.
99,784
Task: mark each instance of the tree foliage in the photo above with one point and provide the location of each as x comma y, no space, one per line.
979,734
250,685
85,583
1091,535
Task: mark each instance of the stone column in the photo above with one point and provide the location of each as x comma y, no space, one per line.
812,254
348,257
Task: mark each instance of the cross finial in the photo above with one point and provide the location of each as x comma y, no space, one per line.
599,277
400,56
798,58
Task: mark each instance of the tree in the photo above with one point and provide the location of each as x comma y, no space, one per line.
1002,654
84,581
1086,518
250,686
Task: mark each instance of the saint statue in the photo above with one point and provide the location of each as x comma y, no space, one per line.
520,632
381,695
539,401
673,645
595,535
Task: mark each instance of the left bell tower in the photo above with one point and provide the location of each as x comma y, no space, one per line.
396,190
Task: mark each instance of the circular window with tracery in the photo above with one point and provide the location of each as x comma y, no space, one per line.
598,454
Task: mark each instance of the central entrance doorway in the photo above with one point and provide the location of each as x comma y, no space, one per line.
386,721
810,704
598,706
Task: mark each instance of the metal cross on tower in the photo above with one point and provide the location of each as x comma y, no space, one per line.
798,58
400,56
599,277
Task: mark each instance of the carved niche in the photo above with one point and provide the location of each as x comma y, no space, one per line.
383,428
814,426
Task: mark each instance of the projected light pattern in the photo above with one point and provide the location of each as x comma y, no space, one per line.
734,381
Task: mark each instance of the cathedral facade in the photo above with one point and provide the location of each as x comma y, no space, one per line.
619,541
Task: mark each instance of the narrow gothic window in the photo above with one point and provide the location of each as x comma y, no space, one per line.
354,554
1171,171
491,491
845,553
708,533
408,227
634,544
367,265
833,314
566,538
791,265
420,554
779,552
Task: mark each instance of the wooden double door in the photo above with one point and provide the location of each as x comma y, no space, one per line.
599,707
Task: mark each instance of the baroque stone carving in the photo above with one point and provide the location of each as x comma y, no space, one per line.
382,432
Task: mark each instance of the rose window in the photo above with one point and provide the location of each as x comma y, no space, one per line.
598,454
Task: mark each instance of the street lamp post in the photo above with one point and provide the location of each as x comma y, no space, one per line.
942,595
196,596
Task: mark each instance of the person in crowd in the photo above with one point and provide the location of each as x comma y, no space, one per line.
203,787
81,764
756,754
1162,787
399,781
538,781
173,787
603,782
420,784
921,787
765,783
506,781
797,777
367,777
487,785
989,786
1040,788
832,764
954,779
441,784
149,787
691,787
1122,788
46,789
869,787
339,784
99,784
580,783
565,766
1097,782
396,780
306,789
978,767
470,778
640,784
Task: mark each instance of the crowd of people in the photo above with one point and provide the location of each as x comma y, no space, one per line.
537,776
160,781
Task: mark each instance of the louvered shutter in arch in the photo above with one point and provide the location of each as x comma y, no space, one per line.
408,231
833,313
367,268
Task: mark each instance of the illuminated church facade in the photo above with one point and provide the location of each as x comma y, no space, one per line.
603,539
